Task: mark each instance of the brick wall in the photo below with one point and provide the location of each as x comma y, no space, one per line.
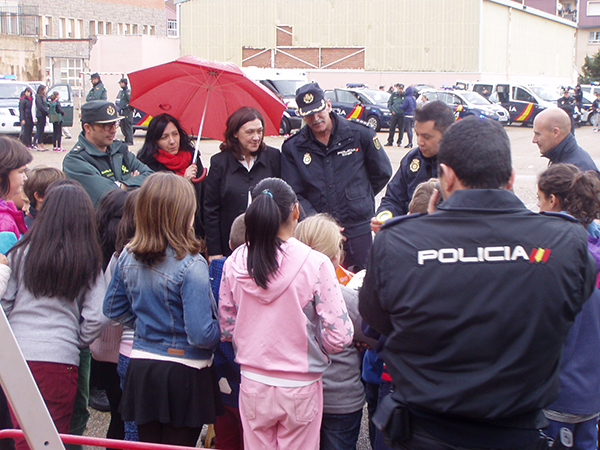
20,57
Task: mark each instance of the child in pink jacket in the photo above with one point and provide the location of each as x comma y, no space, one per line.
282,306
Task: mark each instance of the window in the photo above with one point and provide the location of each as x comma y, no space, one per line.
79,29
70,70
144,29
172,28
522,95
100,27
92,27
134,29
47,26
152,30
63,28
70,28
127,28
593,8
594,37
108,28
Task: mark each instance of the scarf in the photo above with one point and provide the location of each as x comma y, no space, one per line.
177,163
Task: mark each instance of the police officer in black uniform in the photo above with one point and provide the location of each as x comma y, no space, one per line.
567,104
336,166
476,300
419,164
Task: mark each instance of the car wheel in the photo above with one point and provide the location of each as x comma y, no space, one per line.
374,123
285,127
589,119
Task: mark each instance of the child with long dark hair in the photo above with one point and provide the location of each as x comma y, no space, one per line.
573,416
161,285
54,296
281,304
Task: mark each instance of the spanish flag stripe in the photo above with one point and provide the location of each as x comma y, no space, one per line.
526,113
539,255
356,112
532,255
546,255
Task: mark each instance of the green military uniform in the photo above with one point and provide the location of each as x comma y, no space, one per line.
126,111
397,119
98,91
102,171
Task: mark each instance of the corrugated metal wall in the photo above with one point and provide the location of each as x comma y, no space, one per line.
399,35
517,42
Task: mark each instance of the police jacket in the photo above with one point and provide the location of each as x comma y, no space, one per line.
414,169
98,171
476,300
97,92
569,152
123,98
341,178
567,104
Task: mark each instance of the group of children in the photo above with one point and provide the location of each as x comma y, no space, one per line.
262,343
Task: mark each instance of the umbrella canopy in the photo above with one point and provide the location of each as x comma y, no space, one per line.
202,95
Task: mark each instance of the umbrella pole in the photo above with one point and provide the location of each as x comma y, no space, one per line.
197,149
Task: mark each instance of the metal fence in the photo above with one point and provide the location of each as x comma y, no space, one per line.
22,20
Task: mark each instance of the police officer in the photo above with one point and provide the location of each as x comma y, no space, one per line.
98,91
420,163
397,120
567,104
99,162
336,166
126,111
476,300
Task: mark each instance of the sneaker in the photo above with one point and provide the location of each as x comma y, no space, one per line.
408,146
63,149
595,131
41,149
56,149
99,400
388,144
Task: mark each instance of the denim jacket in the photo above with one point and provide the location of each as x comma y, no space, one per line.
170,305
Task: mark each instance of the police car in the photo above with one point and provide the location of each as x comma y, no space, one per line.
521,102
468,103
10,96
369,105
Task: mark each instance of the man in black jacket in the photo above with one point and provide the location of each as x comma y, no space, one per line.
336,166
476,300
551,133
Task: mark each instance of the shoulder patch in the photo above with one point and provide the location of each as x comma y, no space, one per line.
396,220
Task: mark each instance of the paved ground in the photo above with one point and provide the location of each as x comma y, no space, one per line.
527,164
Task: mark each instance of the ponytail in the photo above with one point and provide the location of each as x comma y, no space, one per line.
272,203
583,200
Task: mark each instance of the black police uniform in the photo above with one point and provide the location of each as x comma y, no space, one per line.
414,169
476,300
569,152
341,178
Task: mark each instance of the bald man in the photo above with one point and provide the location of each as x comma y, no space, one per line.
552,134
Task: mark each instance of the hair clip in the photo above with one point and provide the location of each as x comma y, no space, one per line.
266,191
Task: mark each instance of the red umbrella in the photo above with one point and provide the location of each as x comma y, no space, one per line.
202,95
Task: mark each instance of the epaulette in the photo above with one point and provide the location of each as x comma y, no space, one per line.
362,122
76,148
292,134
396,220
562,215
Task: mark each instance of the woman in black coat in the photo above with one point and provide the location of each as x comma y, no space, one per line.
167,148
25,116
41,112
243,162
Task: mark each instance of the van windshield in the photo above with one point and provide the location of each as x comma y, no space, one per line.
287,88
11,90
545,93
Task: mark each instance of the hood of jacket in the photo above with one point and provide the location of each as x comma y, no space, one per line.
288,268
409,91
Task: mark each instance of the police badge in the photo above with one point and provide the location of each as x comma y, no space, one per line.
308,99
307,159
415,165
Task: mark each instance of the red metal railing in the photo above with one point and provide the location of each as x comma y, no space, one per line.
99,442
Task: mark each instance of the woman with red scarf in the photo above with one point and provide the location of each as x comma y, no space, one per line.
168,149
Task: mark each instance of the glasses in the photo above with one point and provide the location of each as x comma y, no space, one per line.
109,126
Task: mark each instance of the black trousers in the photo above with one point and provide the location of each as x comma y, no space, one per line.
397,120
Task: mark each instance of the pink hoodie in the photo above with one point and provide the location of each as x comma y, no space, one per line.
286,330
